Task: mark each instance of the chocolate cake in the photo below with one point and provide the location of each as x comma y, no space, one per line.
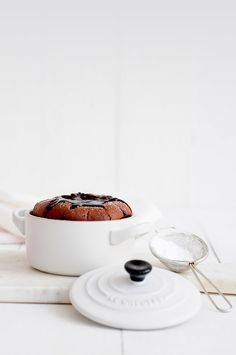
82,207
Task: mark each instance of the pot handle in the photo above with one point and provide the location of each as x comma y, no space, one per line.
18,217
118,236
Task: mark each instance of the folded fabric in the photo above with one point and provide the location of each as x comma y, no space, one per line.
8,203
9,238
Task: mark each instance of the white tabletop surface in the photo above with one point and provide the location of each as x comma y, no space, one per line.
38,329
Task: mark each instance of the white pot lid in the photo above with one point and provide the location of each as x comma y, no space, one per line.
112,297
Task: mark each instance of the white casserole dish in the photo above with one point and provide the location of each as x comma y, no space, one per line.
75,247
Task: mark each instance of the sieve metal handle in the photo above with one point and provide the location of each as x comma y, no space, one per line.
196,271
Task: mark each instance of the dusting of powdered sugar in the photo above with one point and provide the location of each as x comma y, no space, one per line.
174,250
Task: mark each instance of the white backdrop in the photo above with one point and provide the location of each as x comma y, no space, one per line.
127,96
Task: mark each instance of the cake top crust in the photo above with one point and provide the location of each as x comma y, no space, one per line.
82,200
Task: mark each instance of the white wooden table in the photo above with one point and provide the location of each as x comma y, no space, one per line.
27,329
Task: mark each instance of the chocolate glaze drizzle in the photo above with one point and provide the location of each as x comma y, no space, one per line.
81,200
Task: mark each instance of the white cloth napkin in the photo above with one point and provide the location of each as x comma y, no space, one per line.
8,202
9,238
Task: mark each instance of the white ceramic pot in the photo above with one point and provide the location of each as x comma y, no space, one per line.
75,247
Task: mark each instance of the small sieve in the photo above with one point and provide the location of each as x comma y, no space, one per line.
183,251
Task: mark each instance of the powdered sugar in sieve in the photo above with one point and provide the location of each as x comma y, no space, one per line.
175,247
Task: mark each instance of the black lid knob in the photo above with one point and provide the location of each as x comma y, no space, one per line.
138,269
